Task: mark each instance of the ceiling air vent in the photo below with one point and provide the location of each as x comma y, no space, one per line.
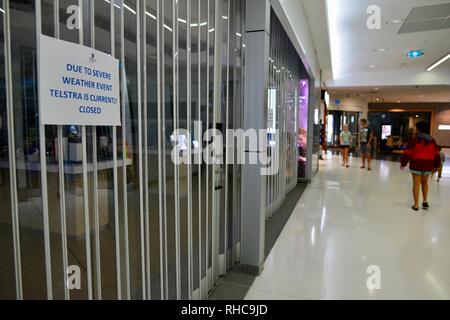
427,18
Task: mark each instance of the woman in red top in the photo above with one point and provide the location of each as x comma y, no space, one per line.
423,156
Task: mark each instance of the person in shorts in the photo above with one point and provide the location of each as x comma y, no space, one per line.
346,141
365,144
424,159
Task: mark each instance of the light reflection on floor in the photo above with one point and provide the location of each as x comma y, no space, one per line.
349,220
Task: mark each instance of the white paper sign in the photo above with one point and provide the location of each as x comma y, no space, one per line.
77,85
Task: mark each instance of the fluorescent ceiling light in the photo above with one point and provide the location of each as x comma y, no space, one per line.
201,24
129,9
150,15
115,5
439,62
445,127
182,20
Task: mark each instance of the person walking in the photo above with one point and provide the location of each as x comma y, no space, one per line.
423,156
365,144
441,168
346,141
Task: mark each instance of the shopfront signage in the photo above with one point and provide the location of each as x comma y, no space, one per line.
77,85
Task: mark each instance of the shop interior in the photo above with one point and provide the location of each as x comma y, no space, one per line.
394,129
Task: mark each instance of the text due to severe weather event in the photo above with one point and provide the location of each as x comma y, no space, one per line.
78,85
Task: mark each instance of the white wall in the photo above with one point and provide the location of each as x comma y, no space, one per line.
352,104
415,77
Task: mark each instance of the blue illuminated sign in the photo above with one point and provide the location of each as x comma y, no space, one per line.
415,54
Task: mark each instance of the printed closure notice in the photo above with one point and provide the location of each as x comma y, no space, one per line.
77,85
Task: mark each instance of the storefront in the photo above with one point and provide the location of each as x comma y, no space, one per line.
394,123
156,229
289,115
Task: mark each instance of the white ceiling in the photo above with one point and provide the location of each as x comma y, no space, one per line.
354,48
317,21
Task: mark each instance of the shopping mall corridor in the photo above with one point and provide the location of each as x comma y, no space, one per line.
349,220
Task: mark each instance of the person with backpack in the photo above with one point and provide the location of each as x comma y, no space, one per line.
423,156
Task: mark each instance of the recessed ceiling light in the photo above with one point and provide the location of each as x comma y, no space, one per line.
377,89
396,21
372,66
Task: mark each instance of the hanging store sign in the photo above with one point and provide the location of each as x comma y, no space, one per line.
77,85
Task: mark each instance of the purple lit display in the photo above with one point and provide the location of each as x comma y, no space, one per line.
303,127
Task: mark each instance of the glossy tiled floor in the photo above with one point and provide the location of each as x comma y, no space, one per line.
349,220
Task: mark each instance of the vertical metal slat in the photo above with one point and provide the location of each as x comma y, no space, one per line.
124,151
146,172
62,192
43,161
189,167
115,174
98,272
140,165
160,81
12,153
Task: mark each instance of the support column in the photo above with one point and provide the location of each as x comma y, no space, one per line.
255,117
